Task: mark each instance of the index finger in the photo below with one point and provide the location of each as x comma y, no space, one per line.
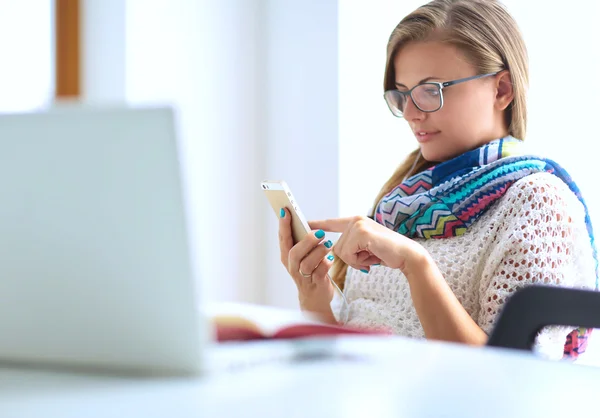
331,225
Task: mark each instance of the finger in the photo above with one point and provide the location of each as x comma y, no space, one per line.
303,248
348,249
340,246
286,241
349,257
362,256
364,269
311,260
365,259
320,275
332,225
371,261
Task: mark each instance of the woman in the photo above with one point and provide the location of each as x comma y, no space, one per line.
465,220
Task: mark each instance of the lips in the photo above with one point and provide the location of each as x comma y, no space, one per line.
425,136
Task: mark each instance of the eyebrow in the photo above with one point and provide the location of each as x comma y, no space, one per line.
422,81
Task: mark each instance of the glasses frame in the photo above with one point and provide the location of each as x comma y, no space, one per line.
440,85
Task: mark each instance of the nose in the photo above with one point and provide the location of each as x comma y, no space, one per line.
412,112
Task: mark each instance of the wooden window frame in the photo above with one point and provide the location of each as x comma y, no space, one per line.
67,26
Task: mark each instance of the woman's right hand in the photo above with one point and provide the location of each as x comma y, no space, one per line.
308,263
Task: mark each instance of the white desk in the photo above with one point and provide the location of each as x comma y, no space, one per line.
373,378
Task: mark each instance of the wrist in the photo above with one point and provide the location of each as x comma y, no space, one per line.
418,263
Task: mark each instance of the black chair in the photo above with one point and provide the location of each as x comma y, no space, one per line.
533,307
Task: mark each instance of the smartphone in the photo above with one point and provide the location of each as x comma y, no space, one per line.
280,196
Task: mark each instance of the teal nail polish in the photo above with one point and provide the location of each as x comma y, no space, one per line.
319,234
377,264
330,257
365,271
328,244
281,213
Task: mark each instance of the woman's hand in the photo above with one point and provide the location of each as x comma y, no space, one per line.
365,242
308,264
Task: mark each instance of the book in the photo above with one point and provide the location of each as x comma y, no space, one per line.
246,322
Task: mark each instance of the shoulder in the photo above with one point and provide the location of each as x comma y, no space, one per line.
538,207
542,192
544,183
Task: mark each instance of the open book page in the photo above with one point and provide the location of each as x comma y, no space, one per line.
235,321
249,321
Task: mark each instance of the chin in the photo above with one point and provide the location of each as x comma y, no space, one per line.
431,155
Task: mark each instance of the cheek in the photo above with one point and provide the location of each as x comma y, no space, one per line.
452,118
480,101
466,110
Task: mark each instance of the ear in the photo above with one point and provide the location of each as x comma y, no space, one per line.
504,90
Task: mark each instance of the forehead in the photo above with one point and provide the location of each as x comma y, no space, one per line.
418,60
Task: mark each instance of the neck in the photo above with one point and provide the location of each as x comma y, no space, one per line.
494,135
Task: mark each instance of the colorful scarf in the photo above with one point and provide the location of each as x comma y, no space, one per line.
443,201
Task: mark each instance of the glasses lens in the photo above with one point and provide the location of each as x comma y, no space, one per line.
427,97
396,101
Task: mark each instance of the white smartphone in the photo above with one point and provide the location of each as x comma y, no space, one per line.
280,196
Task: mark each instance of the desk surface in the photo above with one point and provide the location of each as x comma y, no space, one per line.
355,376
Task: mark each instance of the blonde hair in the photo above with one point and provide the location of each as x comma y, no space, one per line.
491,41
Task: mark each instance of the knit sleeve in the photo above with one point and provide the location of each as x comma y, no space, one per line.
540,238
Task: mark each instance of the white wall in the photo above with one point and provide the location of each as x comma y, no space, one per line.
27,70
203,57
302,148
563,99
255,85
103,50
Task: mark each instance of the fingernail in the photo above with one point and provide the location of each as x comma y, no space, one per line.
378,264
328,244
365,271
281,213
319,234
330,257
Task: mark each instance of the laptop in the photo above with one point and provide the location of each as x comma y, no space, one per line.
95,265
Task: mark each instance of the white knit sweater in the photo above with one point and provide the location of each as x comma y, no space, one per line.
535,233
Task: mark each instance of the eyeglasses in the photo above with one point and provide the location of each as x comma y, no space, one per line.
427,97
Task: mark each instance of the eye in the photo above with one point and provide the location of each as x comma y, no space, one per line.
432,91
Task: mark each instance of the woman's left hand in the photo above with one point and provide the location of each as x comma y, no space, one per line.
365,242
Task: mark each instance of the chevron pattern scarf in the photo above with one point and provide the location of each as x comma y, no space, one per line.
445,200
